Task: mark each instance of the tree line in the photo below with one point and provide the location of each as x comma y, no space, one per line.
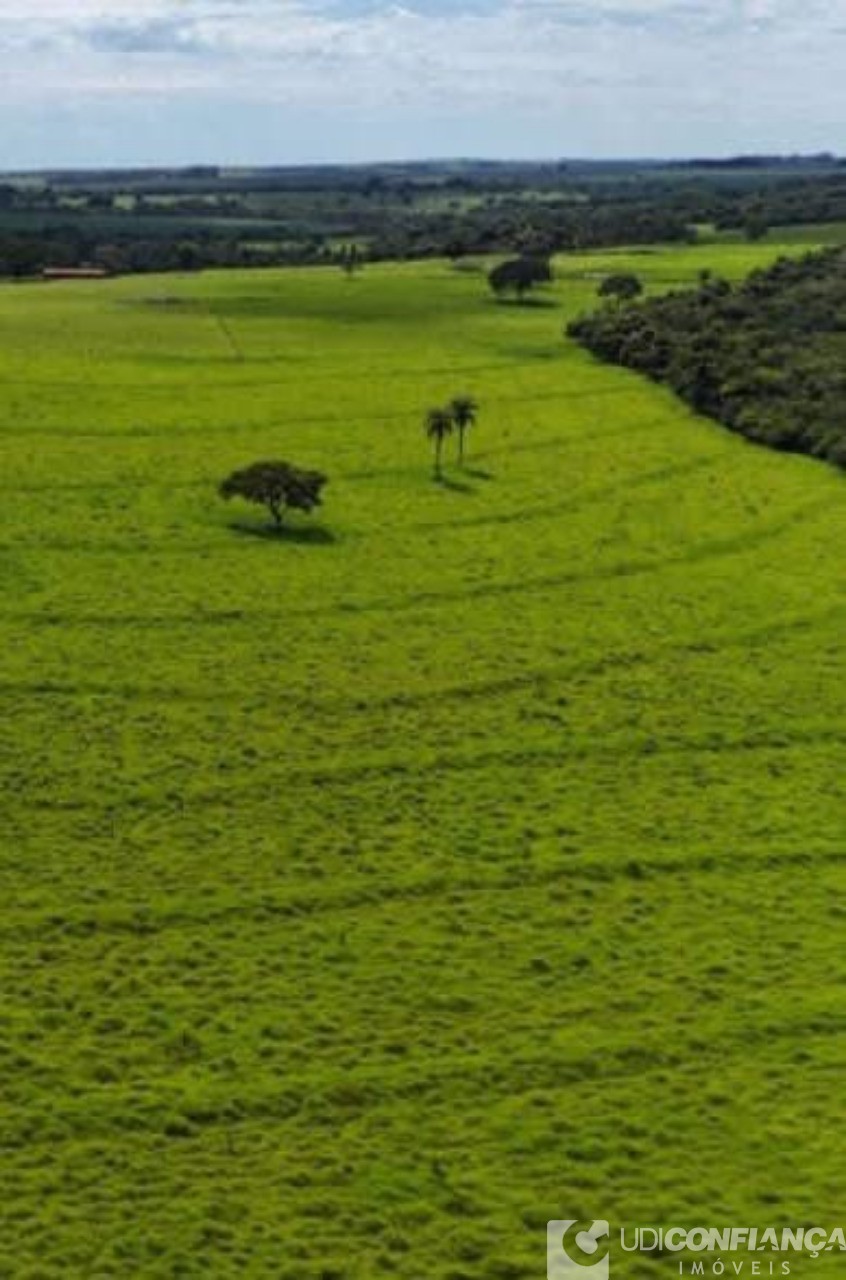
765,358
128,224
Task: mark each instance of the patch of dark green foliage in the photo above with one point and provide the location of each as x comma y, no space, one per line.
277,486
519,276
766,358
623,287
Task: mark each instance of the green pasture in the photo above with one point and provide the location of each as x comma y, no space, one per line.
470,856
809,235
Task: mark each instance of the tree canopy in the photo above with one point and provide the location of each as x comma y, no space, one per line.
520,275
624,287
277,486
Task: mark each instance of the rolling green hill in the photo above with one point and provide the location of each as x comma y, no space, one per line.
470,857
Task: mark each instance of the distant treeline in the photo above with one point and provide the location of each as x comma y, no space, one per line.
767,358
24,255
205,217
176,239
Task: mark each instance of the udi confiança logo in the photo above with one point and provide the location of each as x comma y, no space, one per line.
589,1249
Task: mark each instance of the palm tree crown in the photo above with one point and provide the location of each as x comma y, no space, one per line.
463,411
439,424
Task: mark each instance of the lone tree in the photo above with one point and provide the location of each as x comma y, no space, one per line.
277,486
520,275
351,260
439,425
624,287
755,226
464,411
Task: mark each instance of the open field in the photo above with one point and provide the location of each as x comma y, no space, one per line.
472,856
809,235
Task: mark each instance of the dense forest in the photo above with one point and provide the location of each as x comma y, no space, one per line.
766,358
162,220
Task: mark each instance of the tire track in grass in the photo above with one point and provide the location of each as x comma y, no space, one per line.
525,515
556,757
334,420
534,679
709,550
225,330
501,1074
301,904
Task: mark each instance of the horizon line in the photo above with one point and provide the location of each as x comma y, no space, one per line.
727,158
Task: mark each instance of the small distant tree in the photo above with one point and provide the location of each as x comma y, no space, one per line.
279,486
187,256
439,425
755,226
455,249
520,275
624,287
464,411
351,260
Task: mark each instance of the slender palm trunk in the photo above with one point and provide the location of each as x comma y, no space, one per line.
439,445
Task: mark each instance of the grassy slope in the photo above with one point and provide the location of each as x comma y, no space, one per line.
470,859
808,234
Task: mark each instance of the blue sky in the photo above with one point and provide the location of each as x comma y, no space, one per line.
96,82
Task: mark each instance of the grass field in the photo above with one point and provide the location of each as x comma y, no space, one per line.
809,235
472,856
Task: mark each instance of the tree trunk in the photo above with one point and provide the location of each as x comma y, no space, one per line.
460,444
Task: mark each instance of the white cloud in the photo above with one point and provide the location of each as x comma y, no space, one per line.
630,70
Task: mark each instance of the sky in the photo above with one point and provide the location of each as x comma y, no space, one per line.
165,82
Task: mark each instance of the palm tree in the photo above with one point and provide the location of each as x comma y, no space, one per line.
464,411
439,424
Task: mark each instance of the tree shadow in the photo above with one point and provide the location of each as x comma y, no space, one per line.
298,535
454,486
528,304
479,473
